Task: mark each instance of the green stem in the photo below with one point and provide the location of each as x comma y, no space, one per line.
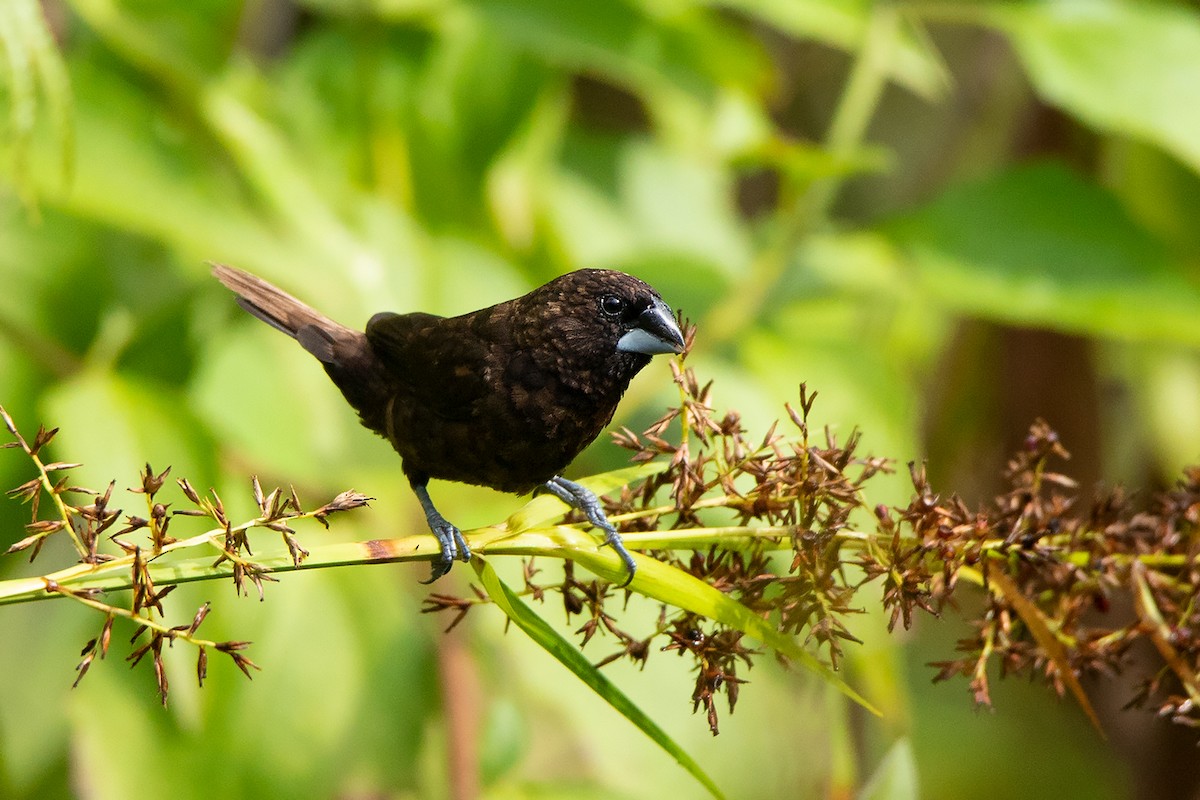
146,621
868,79
556,542
109,577
64,513
810,209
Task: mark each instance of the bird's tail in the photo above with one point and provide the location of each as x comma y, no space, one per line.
345,353
315,332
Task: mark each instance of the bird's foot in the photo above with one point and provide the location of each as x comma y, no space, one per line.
454,545
584,499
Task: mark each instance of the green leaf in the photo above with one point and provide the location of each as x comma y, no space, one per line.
1038,246
570,657
173,43
617,41
29,61
516,180
843,24
1126,68
678,203
1160,191
896,776
162,184
1167,382
677,588
585,220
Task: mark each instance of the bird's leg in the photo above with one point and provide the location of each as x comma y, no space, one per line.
582,498
450,537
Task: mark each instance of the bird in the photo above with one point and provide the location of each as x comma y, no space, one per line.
504,397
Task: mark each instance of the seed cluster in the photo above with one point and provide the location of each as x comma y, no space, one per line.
1064,585
86,522
1060,586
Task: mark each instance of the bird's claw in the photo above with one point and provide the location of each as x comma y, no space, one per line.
582,498
454,547
613,539
440,568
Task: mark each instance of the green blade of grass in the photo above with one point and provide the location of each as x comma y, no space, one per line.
570,657
677,588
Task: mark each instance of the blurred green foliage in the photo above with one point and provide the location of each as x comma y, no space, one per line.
869,197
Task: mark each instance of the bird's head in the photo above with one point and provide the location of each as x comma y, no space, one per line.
609,316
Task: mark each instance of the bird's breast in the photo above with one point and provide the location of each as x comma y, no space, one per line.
528,426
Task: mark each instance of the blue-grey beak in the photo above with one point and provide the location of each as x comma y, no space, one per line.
656,332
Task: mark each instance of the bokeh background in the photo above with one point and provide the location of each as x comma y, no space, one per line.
948,219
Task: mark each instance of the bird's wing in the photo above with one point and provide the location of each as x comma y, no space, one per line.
438,365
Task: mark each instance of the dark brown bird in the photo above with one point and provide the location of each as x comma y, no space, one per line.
503,397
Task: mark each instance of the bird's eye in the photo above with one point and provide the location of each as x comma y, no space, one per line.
612,305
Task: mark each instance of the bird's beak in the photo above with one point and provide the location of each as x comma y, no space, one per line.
656,332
